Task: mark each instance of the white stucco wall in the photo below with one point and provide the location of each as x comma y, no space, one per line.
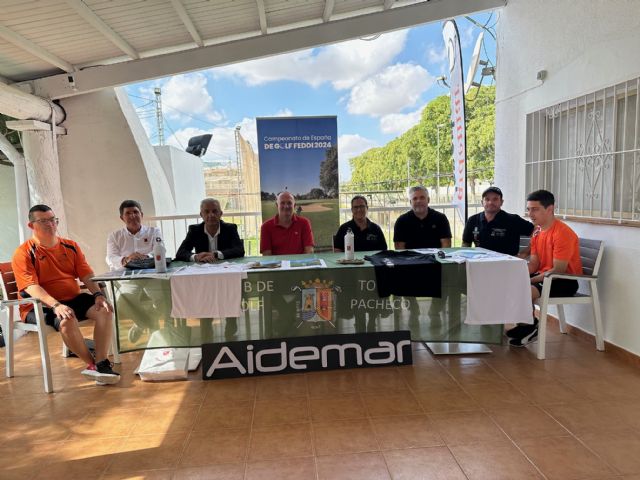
8,214
106,158
185,176
584,46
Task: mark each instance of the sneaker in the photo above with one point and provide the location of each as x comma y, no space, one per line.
530,336
90,345
517,331
134,334
102,373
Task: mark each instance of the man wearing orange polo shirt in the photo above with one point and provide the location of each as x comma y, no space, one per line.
555,248
47,268
286,233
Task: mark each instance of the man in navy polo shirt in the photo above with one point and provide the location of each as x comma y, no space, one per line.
421,227
495,229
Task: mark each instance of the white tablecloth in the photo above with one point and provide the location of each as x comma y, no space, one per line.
203,291
498,291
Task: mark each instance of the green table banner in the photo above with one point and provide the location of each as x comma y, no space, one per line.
296,302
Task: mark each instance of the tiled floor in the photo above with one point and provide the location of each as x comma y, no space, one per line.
500,416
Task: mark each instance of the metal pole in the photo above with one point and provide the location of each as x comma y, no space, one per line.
408,184
438,167
438,162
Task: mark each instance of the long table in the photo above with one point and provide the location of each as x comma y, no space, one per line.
275,304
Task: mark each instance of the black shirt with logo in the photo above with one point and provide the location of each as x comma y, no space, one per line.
425,233
502,234
371,238
407,273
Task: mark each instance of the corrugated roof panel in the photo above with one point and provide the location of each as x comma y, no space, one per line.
281,12
349,6
145,24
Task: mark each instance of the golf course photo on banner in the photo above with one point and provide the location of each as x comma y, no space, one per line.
300,155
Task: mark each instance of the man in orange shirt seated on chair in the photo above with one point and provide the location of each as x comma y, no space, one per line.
555,248
46,267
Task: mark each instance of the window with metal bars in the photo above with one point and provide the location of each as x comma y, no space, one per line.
587,152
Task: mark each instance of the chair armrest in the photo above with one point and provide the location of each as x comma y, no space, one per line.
21,301
569,276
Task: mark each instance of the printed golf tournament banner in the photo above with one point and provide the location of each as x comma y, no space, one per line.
458,132
300,155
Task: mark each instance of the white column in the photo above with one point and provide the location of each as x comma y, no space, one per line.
43,173
22,188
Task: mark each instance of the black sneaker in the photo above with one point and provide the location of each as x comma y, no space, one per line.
90,345
529,337
521,329
102,373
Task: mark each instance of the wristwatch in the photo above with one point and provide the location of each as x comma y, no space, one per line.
98,294
57,304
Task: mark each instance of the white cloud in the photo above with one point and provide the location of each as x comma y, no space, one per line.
343,64
184,95
436,54
395,88
350,146
284,112
398,123
466,36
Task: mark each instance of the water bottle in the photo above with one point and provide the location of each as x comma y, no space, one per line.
159,256
348,245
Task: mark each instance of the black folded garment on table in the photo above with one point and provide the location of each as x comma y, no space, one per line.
407,273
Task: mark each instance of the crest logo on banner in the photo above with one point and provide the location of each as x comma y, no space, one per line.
458,133
317,301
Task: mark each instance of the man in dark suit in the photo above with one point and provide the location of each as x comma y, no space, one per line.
212,239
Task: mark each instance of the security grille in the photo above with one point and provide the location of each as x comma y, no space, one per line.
587,152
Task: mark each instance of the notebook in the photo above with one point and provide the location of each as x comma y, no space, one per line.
144,263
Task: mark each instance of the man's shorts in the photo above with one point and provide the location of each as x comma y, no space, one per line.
560,287
80,305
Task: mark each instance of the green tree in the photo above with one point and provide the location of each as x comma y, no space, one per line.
416,152
329,172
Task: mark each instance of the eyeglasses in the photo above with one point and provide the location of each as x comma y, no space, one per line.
358,207
44,221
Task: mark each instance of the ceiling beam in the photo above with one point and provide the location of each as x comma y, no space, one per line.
96,22
186,20
111,75
388,4
328,10
263,16
36,50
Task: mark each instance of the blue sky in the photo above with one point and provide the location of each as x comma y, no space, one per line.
376,87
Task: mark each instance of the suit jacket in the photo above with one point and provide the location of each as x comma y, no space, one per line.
229,242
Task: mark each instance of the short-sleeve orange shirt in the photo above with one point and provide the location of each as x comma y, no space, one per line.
559,242
55,269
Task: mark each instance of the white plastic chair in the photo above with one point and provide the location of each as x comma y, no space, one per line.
591,256
11,322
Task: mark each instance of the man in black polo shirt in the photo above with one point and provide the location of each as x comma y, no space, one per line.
421,227
366,234
495,229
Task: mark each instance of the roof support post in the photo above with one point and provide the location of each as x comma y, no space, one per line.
24,106
22,187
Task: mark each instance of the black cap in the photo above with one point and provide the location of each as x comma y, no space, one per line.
489,190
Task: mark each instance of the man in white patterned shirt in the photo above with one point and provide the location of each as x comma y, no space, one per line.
134,242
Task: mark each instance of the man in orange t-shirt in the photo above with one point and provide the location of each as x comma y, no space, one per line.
47,267
554,248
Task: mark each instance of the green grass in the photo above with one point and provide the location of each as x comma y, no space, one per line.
324,224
